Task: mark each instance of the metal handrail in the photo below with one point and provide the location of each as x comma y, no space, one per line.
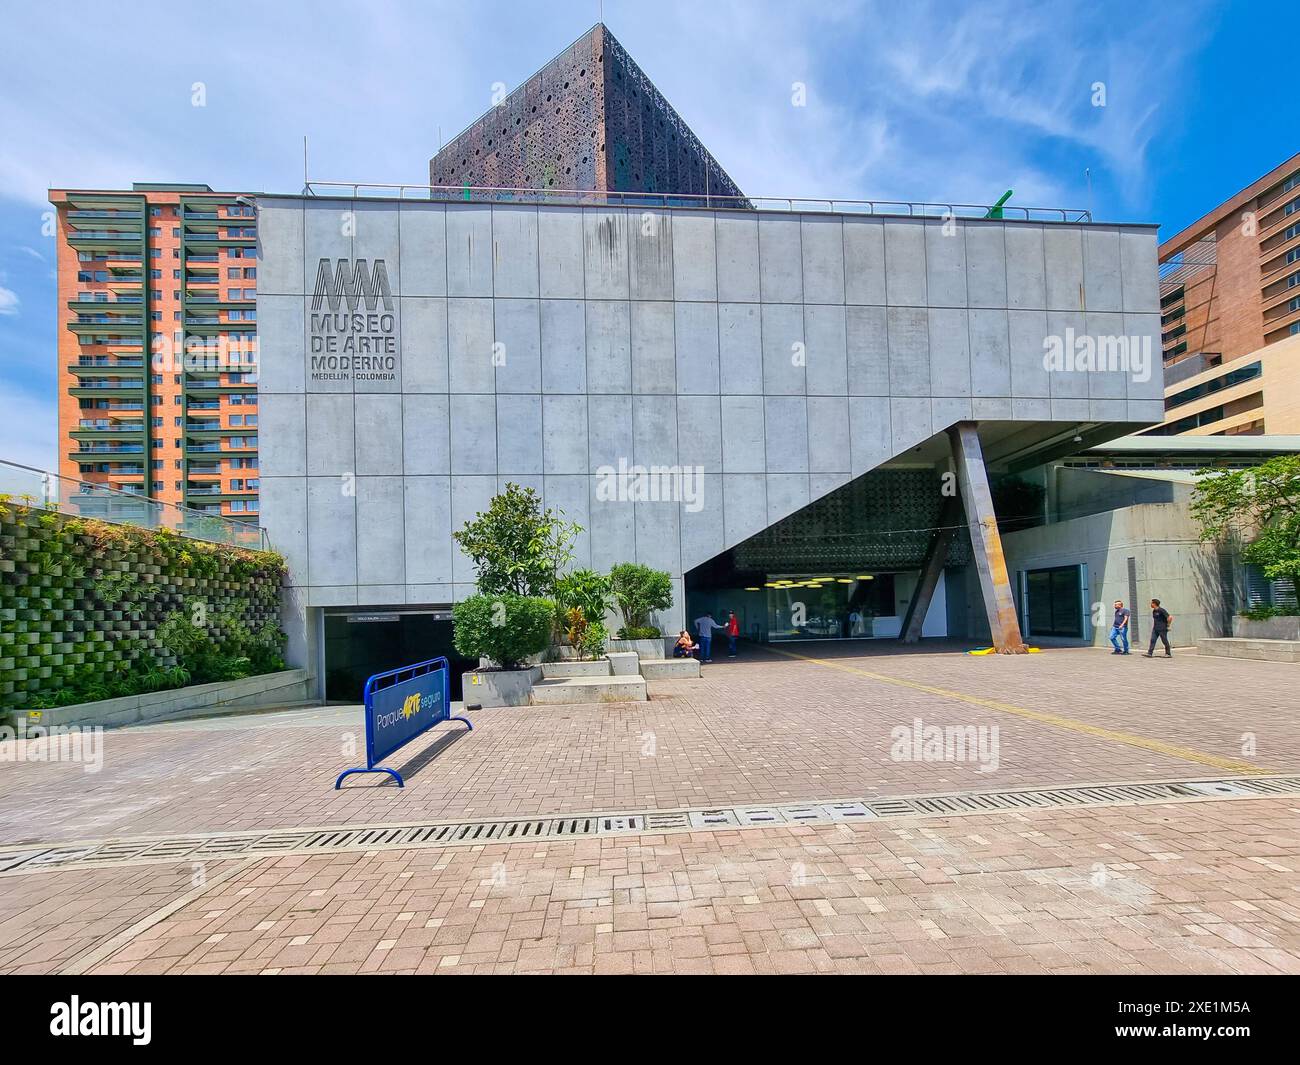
674,200
77,498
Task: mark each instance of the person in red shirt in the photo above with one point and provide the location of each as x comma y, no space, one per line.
733,631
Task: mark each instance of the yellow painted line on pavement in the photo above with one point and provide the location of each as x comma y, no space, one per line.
1234,765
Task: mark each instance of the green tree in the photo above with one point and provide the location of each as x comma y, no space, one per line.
517,547
1260,506
640,590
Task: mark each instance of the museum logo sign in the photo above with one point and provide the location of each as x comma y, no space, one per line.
352,332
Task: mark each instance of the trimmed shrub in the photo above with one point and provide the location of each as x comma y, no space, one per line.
504,628
639,632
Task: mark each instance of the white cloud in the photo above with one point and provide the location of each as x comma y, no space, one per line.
8,301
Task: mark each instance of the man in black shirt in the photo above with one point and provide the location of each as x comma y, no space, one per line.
1161,619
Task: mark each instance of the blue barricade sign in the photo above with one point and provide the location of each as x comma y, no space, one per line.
399,706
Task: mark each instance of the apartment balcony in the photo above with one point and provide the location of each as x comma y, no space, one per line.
122,305
129,375
107,431
208,387
202,242
219,448
208,326
88,216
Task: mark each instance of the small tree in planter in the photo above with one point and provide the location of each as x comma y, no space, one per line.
517,547
640,590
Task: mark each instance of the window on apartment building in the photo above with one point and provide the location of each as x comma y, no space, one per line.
155,253
155,293
156,401
1291,231
237,505
176,463
1295,328
155,212
157,442
250,273
176,275
236,419
157,486
156,423
155,275
155,232
155,464
176,231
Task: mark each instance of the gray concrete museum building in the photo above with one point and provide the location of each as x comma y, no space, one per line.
801,386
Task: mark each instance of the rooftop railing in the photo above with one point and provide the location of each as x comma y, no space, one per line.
598,198
29,486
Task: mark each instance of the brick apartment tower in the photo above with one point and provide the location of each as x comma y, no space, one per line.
590,119
1230,292
144,277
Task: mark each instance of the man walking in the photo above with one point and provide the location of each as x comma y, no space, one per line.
705,626
1161,620
733,632
1119,630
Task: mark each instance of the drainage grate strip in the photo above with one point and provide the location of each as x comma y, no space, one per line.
38,857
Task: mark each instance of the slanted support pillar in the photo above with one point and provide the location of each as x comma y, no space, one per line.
986,543
931,570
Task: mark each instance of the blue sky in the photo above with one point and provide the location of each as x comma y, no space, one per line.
913,101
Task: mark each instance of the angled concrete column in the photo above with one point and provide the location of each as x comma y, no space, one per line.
931,569
986,543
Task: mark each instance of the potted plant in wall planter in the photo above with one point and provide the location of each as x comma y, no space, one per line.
504,632
639,591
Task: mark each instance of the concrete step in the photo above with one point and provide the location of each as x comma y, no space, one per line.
669,668
607,689
622,663
574,668
1258,650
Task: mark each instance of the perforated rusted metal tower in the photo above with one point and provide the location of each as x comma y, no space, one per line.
589,119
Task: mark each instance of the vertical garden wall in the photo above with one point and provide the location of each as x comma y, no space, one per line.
92,610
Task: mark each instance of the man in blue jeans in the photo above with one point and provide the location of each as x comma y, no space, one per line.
705,626
1119,630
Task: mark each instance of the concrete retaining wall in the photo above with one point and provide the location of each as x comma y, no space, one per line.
285,688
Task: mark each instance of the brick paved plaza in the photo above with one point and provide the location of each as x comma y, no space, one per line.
1204,886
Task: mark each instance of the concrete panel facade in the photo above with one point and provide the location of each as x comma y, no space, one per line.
774,354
